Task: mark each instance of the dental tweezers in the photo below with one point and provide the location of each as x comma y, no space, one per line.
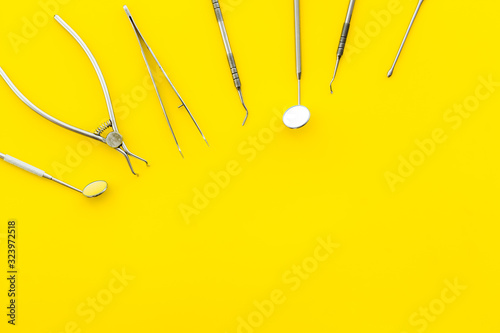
141,40
114,139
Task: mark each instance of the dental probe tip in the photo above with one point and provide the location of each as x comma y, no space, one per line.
246,117
334,74
246,110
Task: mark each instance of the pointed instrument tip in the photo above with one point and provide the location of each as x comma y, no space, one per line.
246,117
334,75
243,103
389,74
391,71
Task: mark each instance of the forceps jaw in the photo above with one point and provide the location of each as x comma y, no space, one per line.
129,153
126,153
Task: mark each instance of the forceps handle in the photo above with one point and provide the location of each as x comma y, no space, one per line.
42,113
298,46
225,39
97,69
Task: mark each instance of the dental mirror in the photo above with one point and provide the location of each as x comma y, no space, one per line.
298,115
92,190
95,189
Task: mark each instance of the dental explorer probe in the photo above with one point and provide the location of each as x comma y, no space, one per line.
389,74
343,39
230,56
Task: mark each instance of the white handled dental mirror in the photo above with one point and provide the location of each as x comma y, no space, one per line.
92,190
298,115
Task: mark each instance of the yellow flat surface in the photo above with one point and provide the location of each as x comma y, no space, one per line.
380,215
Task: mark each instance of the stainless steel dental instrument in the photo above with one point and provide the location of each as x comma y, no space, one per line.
92,190
343,39
391,71
114,139
297,116
139,39
230,56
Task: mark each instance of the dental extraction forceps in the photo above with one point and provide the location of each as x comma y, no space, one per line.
114,139
139,39
230,56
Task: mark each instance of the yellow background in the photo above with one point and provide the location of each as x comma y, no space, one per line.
397,248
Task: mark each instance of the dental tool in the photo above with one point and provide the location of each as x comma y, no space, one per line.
230,56
391,71
141,40
92,190
113,139
343,39
298,115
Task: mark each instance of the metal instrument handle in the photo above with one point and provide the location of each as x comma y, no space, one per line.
298,46
345,29
43,114
349,11
227,45
96,68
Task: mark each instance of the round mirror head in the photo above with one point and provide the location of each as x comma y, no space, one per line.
296,116
95,189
